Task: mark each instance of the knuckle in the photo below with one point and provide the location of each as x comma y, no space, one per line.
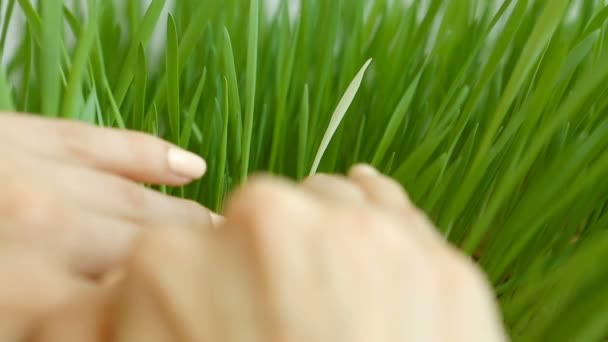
71,127
72,140
145,252
145,152
135,196
264,212
158,247
136,139
359,218
261,200
145,256
137,145
194,212
258,189
31,209
191,205
260,236
354,227
321,178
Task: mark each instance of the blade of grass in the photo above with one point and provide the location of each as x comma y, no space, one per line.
6,20
27,70
222,160
79,63
139,94
142,37
252,62
543,31
33,19
395,121
88,111
359,140
303,134
235,99
6,101
572,104
338,115
596,23
189,124
116,111
284,72
190,38
172,67
50,55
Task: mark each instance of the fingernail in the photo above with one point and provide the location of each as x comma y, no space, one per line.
367,170
186,164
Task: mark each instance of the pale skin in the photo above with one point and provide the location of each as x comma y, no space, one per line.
332,259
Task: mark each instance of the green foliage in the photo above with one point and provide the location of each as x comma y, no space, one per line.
494,116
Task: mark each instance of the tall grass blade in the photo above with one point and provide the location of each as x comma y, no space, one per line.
173,84
338,115
50,55
252,62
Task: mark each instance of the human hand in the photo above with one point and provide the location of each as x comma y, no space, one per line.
334,259
71,189
70,207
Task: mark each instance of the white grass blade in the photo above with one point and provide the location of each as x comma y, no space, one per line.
338,115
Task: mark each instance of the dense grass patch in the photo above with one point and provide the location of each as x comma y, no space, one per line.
494,117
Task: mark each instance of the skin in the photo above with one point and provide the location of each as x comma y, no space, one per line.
334,259
331,259
78,186
69,210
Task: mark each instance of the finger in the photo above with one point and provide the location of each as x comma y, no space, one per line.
32,287
87,219
389,195
101,193
264,203
97,244
380,190
110,195
334,189
137,156
276,226
194,290
84,242
163,295
156,297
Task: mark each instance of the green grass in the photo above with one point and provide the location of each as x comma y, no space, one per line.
495,118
